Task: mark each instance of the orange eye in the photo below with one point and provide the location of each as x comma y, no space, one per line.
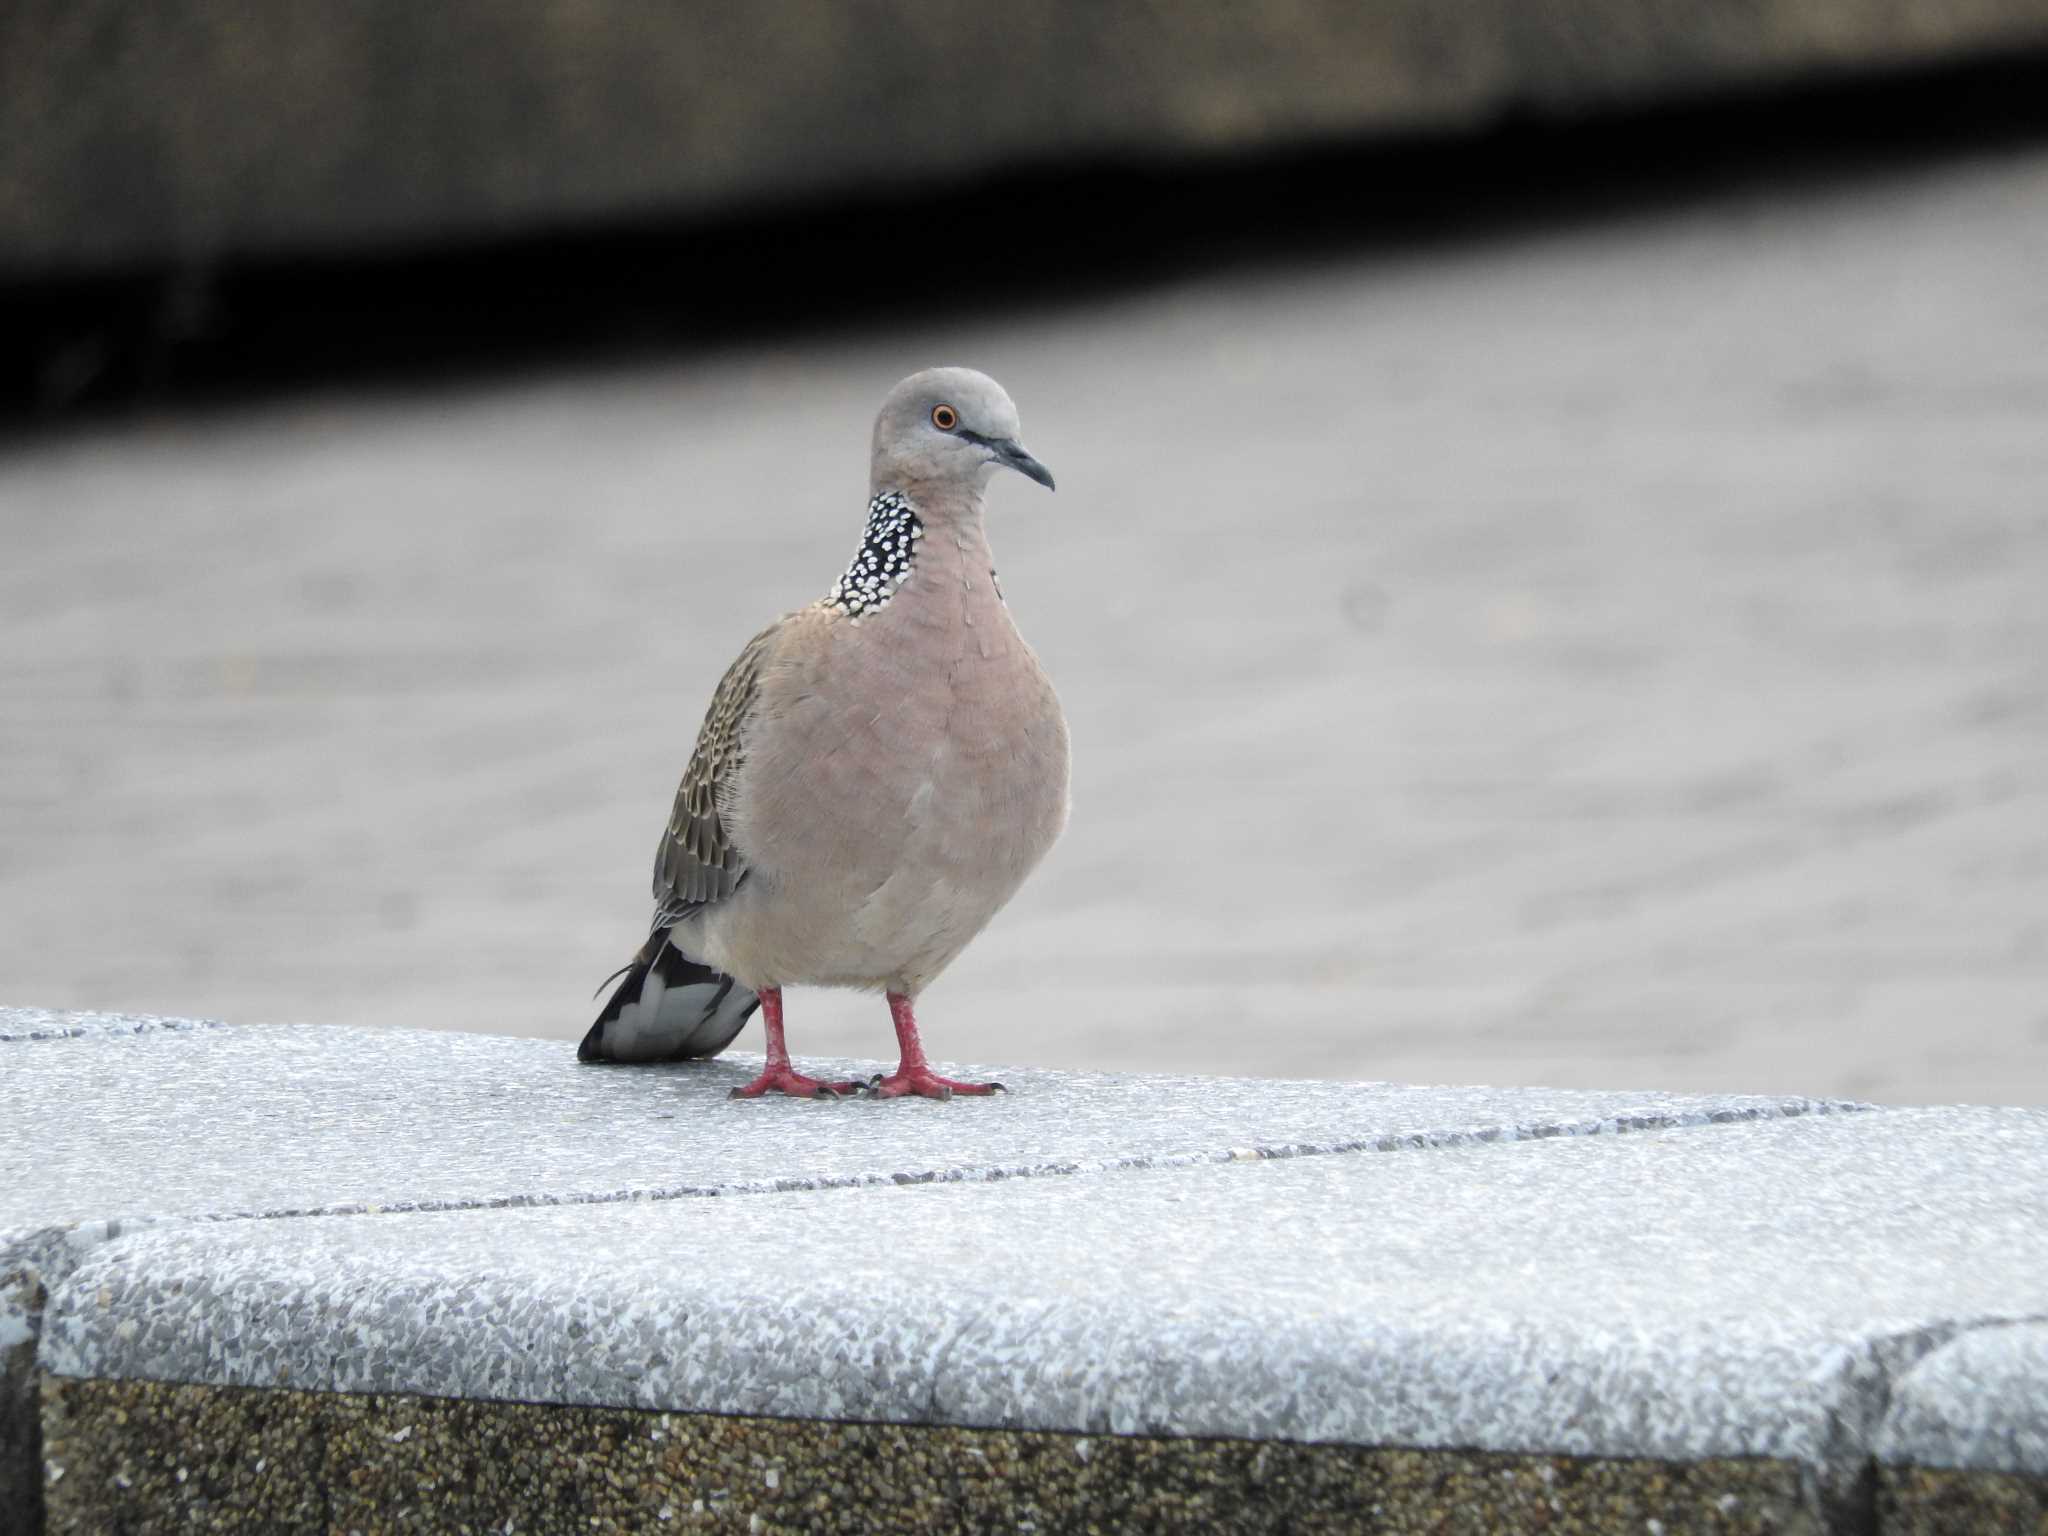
945,418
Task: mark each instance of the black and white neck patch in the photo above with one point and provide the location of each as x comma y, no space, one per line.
887,552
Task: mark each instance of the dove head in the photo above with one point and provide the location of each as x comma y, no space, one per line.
945,432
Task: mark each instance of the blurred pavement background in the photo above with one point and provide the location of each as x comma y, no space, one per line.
1601,649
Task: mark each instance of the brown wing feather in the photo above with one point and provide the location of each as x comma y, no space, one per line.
696,862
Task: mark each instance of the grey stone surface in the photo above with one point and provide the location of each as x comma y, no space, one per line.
285,1119
1978,1402
73,1024
192,127
1650,691
1749,1290
114,1127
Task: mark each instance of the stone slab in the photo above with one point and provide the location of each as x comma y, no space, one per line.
1945,1501
294,1119
146,1456
120,1127
1978,1402
1750,1291
24,1024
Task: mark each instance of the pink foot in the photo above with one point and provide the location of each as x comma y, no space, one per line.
913,1077
780,1077
777,1075
923,1083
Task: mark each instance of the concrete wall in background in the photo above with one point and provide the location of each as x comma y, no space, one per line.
188,129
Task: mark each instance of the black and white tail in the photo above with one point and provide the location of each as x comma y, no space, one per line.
668,1007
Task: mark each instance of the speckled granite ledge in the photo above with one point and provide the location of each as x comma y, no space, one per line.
1978,1401
125,1124
121,1123
1754,1282
1750,1292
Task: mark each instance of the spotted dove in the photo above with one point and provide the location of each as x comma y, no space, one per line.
875,777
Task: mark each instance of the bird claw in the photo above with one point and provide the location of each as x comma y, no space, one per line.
788,1081
926,1084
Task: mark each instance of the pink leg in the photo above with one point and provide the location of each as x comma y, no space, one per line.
778,1076
914,1076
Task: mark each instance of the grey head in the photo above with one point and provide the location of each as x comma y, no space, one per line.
948,429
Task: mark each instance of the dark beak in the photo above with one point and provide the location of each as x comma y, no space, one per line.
1013,454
